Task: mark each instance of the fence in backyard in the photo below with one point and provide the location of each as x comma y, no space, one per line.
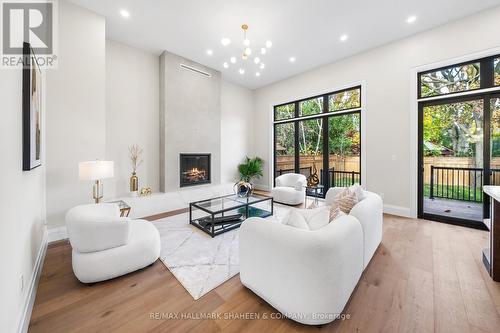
337,178
464,184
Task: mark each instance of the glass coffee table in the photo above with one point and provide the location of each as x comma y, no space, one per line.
218,215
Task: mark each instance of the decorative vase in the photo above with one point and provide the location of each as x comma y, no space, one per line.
134,184
243,189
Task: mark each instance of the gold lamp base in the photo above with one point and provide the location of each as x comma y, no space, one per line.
97,191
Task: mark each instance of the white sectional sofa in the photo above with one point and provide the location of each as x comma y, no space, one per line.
310,275
369,213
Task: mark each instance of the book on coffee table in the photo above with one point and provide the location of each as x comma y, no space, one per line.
228,219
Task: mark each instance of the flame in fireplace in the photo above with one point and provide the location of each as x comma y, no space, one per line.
195,175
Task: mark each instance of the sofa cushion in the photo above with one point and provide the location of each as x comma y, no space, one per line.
313,219
296,220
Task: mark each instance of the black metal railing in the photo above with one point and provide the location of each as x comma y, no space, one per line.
464,184
306,171
344,178
337,178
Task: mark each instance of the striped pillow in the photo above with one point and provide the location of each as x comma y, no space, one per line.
335,213
345,200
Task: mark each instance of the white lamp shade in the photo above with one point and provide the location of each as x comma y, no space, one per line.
95,170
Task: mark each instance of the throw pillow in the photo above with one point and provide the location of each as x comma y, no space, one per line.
296,220
316,218
356,188
346,200
335,213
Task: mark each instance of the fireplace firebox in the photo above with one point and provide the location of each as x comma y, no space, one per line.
194,169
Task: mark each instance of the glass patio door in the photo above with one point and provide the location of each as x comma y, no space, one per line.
453,168
458,140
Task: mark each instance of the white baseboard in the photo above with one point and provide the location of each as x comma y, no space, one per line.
261,187
397,210
29,301
56,234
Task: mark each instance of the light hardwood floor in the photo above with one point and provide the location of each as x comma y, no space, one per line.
425,277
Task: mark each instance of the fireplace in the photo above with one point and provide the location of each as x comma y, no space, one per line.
194,169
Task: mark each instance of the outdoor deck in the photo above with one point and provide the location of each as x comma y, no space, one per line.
454,208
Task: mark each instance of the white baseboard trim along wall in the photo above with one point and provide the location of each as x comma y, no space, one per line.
398,210
261,187
29,301
58,233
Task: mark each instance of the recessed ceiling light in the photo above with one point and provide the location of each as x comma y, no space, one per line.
124,13
247,52
343,38
256,60
225,41
292,59
210,52
257,74
262,65
263,51
241,71
233,60
269,44
411,19
226,65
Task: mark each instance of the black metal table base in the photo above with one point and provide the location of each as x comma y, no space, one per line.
213,229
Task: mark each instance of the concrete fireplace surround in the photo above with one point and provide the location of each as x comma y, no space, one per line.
190,116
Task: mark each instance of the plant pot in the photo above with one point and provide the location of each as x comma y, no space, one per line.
243,189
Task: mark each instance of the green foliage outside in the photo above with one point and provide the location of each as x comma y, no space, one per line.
459,192
497,71
455,79
344,131
456,129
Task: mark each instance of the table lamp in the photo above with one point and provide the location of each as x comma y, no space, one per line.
96,170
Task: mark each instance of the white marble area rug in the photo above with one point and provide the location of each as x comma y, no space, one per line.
198,261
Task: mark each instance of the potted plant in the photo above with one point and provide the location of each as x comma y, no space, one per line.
251,168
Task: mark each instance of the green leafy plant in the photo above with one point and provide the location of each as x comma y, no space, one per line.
251,168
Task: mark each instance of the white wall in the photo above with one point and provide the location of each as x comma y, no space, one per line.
22,206
132,113
236,128
75,109
389,86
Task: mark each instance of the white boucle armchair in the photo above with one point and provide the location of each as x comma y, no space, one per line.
290,189
106,245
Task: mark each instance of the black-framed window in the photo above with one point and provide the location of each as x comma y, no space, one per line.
323,138
310,107
463,77
345,100
496,64
286,111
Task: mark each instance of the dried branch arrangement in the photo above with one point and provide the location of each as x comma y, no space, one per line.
135,157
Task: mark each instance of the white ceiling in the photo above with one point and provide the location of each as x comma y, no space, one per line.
308,30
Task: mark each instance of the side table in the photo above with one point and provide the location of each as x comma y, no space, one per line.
124,207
